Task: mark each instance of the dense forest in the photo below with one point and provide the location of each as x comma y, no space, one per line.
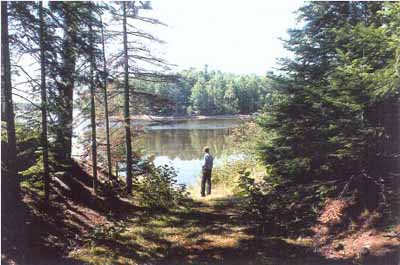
193,92
321,167
212,93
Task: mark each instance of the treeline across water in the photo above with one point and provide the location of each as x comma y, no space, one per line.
211,92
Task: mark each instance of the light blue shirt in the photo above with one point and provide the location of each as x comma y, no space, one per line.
208,161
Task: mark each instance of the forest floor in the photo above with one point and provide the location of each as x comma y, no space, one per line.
211,232
84,228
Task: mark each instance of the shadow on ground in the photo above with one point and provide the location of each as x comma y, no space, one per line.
210,233
36,233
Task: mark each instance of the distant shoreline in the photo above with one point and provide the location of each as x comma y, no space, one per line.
151,118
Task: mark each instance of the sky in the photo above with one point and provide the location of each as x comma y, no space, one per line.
241,37
231,36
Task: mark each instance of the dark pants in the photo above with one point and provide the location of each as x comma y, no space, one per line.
206,179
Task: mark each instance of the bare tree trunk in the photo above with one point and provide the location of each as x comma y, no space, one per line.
93,107
106,102
44,141
126,108
12,182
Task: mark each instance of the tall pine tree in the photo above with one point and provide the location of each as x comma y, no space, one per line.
321,137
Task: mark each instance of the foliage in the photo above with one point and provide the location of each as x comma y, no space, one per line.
29,157
280,208
267,200
158,188
245,138
238,156
330,128
212,93
30,153
225,178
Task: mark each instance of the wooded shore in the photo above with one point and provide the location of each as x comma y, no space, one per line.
149,119
189,117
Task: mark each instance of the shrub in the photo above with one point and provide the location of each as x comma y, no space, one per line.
277,206
158,188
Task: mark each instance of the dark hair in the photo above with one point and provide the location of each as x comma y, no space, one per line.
206,149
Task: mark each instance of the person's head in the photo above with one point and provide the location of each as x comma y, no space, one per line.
206,149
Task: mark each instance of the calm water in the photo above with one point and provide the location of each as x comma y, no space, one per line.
180,144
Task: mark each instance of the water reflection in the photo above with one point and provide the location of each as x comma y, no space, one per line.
185,144
180,144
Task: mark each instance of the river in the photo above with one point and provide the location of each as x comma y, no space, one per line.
180,144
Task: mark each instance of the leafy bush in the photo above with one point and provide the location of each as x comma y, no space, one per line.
226,177
245,138
158,188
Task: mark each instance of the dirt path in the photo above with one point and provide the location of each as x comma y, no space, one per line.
212,232
80,228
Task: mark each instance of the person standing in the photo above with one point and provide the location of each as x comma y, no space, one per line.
207,169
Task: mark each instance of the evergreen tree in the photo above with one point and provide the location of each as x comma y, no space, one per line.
11,182
127,120
134,58
67,17
44,140
321,131
106,114
92,62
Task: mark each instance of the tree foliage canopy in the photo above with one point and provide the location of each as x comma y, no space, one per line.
334,123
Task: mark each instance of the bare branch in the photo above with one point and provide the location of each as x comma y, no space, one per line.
151,20
24,98
26,73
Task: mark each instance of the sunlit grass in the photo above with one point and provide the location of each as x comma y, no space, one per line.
218,191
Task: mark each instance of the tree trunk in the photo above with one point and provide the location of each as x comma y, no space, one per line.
44,141
11,183
116,169
93,107
126,108
66,86
106,102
